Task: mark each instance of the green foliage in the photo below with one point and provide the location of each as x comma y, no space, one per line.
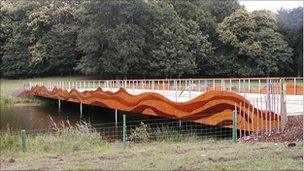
10,141
223,8
261,50
140,133
239,31
276,56
178,46
145,133
166,133
142,39
290,24
264,19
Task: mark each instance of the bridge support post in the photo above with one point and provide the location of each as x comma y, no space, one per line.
116,118
180,123
80,110
59,105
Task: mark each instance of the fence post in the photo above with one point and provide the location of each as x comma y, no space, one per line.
124,132
234,126
23,140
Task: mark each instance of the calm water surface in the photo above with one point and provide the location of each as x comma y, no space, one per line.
38,117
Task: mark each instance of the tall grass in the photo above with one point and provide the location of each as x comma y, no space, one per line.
66,138
143,133
9,141
63,138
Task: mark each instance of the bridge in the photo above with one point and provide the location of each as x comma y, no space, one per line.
260,102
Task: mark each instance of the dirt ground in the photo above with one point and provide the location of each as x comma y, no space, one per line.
292,133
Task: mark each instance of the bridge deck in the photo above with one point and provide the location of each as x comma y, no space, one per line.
201,101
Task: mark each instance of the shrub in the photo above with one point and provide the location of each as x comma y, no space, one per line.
140,133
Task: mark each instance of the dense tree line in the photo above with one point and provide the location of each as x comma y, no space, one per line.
148,38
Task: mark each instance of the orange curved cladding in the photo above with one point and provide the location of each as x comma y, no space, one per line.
290,89
212,107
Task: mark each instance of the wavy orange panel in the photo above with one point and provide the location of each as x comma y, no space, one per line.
290,89
213,107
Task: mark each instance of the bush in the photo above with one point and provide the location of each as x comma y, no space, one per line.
143,133
166,133
140,133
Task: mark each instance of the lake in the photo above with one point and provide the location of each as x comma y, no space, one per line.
40,117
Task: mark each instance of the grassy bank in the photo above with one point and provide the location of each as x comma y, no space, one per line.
80,147
9,86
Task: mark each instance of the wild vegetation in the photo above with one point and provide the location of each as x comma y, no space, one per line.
144,39
81,147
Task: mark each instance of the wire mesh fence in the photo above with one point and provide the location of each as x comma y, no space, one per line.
139,131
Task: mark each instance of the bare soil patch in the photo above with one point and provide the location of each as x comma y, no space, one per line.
292,133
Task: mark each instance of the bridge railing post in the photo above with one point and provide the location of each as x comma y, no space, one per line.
295,86
249,86
239,86
163,84
199,85
175,87
230,86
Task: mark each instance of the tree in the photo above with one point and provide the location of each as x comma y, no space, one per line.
290,24
239,31
115,44
222,9
5,28
264,19
177,46
276,56
16,60
194,10
181,46
148,38
261,51
57,52
54,49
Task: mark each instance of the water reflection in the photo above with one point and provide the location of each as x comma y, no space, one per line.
38,117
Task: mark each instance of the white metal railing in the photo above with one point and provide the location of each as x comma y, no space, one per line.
239,85
181,90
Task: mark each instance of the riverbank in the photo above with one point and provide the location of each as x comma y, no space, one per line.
10,88
82,148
